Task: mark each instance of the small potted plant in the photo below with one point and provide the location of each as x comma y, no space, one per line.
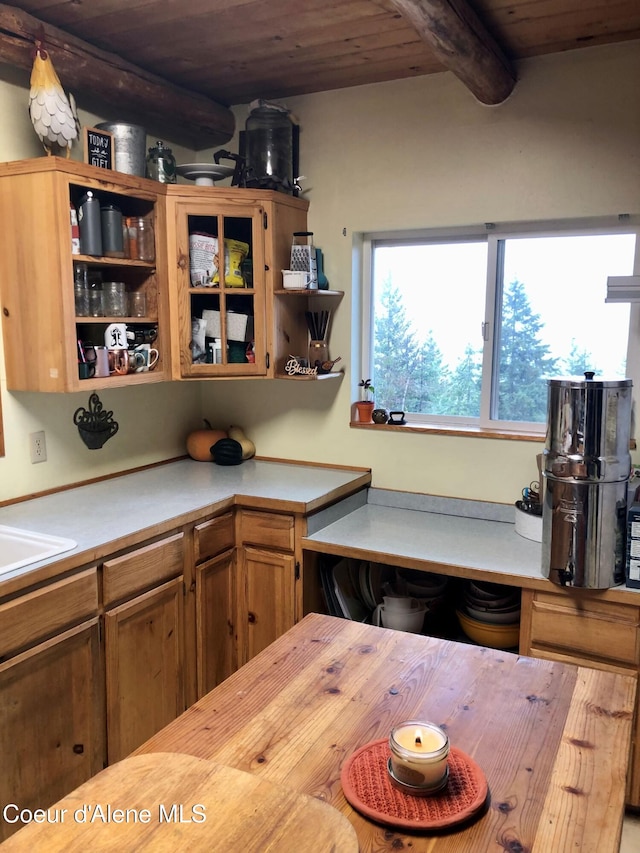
366,404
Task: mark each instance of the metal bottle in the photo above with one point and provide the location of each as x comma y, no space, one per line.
90,225
586,471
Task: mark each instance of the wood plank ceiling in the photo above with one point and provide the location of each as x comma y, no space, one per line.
232,51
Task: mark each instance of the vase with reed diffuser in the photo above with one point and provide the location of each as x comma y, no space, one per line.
318,325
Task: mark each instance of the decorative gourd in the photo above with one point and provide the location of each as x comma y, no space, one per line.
200,442
226,451
248,447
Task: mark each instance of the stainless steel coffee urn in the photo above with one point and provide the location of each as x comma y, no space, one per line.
586,470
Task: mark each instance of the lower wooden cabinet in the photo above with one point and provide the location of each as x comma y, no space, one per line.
144,666
585,628
51,720
95,663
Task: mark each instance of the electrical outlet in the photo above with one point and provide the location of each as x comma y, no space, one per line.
38,447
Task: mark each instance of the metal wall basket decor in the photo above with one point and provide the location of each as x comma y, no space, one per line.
95,425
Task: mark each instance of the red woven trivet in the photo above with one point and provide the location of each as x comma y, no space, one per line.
367,787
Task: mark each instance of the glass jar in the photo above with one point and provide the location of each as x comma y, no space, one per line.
96,299
161,164
81,290
269,137
115,299
141,238
318,353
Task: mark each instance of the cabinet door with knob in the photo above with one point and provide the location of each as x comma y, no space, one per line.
143,593
215,596
51,720
267,579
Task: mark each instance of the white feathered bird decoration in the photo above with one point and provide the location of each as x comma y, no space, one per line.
53,113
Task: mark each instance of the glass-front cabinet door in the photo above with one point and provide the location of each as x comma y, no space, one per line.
218,243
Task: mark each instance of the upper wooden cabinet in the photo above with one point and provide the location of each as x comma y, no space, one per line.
214,302
37,266
222,300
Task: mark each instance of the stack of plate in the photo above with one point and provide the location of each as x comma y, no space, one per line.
490,614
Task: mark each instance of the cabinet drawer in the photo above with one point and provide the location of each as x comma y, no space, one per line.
213,537
584,627
142,568
267,528
46,611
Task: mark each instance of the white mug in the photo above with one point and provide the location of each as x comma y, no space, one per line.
150,355
115,336
401,620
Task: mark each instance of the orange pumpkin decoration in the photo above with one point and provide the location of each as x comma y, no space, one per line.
200,442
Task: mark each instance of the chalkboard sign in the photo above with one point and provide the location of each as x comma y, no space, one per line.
98,148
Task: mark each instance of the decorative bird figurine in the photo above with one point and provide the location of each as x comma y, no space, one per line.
53,113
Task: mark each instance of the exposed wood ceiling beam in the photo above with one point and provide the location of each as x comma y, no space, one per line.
461,42
132,93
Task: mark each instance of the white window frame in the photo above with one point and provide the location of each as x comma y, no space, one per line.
493,234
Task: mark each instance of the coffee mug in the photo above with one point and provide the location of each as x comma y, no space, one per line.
86,370
102,361
150,356
118,362
402,620
136,361
115,336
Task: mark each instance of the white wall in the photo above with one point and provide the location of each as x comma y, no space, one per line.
407,154
153,419
423,153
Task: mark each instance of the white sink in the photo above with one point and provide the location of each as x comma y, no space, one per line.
21,547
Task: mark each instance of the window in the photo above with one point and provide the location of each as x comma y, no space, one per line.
464,329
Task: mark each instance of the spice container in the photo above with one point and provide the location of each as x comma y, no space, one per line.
419,753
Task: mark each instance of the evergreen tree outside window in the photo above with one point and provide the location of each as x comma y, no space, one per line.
467,328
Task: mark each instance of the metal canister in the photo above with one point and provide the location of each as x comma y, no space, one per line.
586,471
130,144
112,238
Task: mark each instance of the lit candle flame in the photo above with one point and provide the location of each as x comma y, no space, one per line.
418,737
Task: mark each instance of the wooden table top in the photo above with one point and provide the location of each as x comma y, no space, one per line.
552,738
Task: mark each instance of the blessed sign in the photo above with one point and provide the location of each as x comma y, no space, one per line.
98,148
294,368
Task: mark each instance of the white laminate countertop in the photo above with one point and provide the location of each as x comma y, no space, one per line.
434,537
100,513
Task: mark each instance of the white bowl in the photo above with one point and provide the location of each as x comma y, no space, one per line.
489,617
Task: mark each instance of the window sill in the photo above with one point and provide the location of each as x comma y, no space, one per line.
463,431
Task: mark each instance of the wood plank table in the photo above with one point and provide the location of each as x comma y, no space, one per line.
552,739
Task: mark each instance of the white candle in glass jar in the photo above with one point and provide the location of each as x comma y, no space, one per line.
419,753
